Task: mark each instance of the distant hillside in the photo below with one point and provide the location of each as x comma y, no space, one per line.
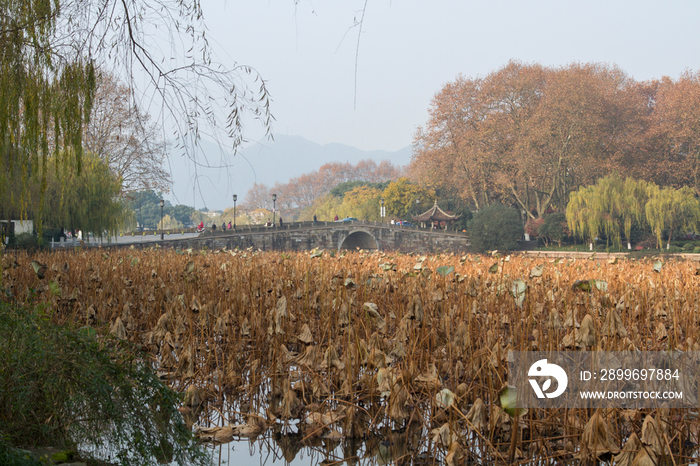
265,162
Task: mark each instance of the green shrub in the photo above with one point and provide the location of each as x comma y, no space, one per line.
13,457
687,247
26,241
554,228
461,223
696,250
60,386
673,249
495,227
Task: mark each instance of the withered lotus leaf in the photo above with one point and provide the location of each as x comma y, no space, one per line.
537,271
499,420
385,381
118,329
661,333
654,436
39,268
245,328
596,440
306,336
330,359
454,455
399,399
309,358
553,321
443,435
570,320
428,380
477,415
613,324
374,316
629,451
586,335
215,435
445,398
391,362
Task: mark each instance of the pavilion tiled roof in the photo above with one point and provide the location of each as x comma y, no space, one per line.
435,214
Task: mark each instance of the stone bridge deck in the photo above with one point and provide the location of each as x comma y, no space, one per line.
301,236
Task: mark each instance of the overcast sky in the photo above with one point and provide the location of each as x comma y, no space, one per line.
408,49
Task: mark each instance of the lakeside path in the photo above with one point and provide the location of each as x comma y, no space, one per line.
603,255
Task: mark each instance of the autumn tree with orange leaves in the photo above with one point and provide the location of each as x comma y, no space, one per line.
677,121
528,135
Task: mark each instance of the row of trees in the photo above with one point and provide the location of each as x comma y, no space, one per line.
146,212
528,135
358,199
612,205
299,194
363,201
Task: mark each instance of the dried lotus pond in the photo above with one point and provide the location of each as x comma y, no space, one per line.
395,357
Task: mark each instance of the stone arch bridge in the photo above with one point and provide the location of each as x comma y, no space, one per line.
304,236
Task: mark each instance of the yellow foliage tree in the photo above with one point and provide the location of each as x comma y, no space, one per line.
363,203
400,197
325,208
169,223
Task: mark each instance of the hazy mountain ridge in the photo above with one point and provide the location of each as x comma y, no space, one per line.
278,160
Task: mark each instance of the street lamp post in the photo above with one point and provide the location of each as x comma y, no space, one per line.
235,198
162,204
274,201
417,207
382,212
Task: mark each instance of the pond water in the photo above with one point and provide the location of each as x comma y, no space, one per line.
404,448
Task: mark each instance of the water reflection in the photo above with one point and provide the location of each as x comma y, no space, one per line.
410,446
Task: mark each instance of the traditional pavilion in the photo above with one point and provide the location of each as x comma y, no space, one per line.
435,215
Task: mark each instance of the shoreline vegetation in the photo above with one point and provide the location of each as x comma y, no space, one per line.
64,386
346,346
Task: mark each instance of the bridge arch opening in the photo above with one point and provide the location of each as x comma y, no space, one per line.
359,239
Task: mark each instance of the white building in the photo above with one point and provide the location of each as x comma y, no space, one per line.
19,226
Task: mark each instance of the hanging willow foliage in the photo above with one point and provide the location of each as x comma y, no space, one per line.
610,206
44,99
613,204
49,53
87,201
671,209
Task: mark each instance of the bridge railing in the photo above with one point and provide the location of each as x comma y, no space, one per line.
318,224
